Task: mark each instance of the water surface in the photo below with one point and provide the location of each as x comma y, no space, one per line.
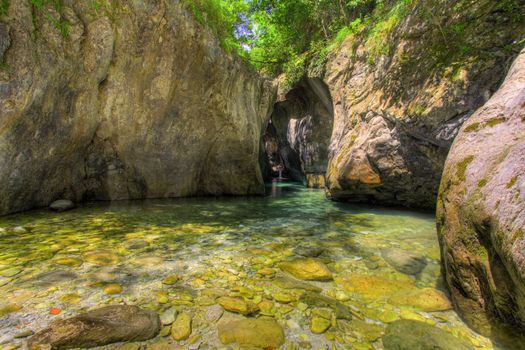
187,252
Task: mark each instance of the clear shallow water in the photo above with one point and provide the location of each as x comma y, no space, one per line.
186,253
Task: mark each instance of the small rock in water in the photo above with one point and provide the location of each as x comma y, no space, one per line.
10,308
426,299
168,316
110,324
19,229
181,328
319,325
404,261
307,269
249,332
308,251
238,305
129,346
113,289
62,205
416,335
24,334
214,313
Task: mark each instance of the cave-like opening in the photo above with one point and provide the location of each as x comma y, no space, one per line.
297,137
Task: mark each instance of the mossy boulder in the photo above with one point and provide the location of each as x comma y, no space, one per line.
480,216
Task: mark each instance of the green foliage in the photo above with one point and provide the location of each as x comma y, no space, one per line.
4,7
384,21
221,16
109,8
58,20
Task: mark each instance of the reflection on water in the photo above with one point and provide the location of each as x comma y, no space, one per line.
188,253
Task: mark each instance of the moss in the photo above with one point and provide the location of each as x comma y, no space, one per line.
473,127
4,7
494,121
482,183
512,181
488,123
461,167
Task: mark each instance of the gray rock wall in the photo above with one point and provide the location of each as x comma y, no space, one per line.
138,101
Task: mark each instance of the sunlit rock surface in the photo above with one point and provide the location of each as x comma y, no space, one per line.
138,101
481,217
398,106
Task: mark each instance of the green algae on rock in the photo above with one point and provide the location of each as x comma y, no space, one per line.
415,335
181,327
307,269
238,305
262,333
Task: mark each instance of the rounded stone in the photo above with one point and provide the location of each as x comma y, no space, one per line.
307,269
181,327
416,335
62,205
249,332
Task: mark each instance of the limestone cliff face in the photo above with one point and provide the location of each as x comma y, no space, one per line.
397,108
481,211
138,101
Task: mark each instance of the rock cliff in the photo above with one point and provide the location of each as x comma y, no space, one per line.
401,91
481,211
130,100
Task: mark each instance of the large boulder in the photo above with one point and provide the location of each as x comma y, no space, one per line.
481,216
137,101
110,324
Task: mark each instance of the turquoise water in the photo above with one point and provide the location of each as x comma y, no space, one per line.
188,253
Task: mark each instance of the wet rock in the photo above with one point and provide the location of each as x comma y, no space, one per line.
101,257
9,308
317,300
415,335
55,276
171,279
67,261
404,261
261,333
213,313
168,316
373,287
319,324
130,346
181,328
112,289
362,330
110,324
24,334
307,269
286,282
10,272
308,251
426,299
62,205
238,305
